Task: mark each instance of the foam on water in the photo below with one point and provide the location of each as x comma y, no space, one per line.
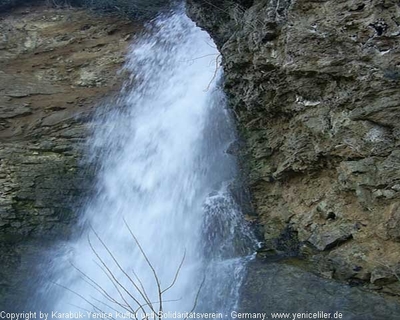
164,170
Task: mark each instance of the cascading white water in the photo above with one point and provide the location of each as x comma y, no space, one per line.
164,170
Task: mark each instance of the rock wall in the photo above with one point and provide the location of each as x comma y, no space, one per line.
315,89
134,9
286,288
56,64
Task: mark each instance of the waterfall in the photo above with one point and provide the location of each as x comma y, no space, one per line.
163,186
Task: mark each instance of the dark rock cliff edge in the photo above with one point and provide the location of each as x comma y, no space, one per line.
314,86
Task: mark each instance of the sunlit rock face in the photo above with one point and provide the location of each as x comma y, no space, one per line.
314,86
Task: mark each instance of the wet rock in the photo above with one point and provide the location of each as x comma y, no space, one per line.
22,259
285,287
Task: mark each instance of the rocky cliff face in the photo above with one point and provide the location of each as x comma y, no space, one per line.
56,64
315,89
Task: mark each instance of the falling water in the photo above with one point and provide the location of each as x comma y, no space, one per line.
164,178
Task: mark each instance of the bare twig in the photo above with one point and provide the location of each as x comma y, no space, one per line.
115,280
197,296
149,264
122,290
96,286
122,270
217,65
176,274
80,296
126,306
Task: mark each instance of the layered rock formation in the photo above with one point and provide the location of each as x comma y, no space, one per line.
55,64
315,89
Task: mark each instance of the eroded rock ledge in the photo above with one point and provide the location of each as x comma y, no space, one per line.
315,88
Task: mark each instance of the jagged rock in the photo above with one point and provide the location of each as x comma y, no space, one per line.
314,86
382,275
328,236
